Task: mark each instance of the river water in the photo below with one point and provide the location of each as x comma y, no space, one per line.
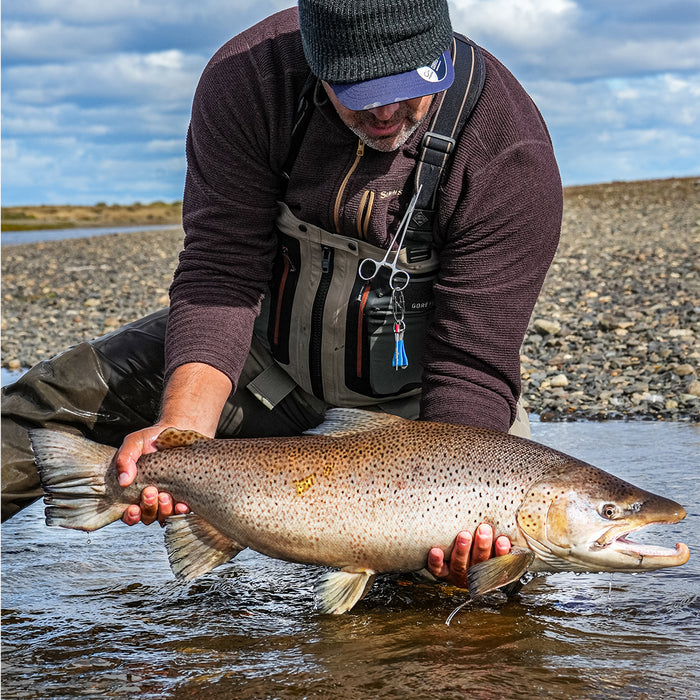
100,616
40,235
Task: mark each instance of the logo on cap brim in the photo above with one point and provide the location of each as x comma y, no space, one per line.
436,71
426,80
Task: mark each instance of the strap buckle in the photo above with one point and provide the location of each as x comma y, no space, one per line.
438,142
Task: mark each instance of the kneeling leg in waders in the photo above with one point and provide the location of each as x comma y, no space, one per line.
104,389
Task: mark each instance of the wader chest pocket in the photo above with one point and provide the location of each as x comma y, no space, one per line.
332,331
371,342
286,278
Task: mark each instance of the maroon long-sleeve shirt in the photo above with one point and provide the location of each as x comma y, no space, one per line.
499,216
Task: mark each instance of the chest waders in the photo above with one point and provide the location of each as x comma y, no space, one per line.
335,333
332,331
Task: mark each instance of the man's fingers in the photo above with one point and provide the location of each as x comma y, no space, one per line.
459,559
165,507
126,473
149,505
466,552
134,445
501,546
132,515
483,544
436,563
125,462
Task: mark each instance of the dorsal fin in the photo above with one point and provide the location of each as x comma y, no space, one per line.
341,422
172,437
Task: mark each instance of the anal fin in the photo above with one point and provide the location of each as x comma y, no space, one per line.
196,547
498,571
339,591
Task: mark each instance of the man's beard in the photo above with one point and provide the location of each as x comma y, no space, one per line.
386,143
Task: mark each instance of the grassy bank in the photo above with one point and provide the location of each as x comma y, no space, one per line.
54,217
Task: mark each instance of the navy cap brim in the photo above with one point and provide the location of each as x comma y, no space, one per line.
427,80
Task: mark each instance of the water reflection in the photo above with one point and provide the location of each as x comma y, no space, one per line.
101,616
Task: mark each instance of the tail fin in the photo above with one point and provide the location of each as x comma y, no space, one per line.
73,473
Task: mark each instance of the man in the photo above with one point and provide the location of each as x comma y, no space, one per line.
274,316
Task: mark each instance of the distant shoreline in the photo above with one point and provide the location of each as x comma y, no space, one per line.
100,215
11,238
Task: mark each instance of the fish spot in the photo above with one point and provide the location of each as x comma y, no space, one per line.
303,485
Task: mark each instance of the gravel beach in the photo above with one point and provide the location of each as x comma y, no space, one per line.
615,333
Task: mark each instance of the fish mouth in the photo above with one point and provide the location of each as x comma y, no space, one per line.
643,556
647,554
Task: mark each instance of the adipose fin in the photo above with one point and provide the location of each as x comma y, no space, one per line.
173,437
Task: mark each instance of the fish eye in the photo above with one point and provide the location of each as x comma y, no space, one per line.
609,511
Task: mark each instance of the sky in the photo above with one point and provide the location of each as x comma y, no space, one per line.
96,95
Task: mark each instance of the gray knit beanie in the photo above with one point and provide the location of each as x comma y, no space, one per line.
349,41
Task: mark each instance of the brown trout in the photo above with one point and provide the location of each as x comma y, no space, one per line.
366,493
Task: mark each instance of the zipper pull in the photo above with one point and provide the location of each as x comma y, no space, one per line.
326,260
285,255
360,148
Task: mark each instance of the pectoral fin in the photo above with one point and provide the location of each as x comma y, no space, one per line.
498,571
338,591
196,547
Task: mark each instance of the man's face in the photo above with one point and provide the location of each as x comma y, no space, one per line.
383,128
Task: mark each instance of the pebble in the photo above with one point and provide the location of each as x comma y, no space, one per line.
545,327
624,288
683,370
614,332
559,380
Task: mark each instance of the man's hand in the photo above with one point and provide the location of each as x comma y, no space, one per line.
466,552
154,505
193,399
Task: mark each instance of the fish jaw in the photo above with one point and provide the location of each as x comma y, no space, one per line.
650,557
581,519
619,555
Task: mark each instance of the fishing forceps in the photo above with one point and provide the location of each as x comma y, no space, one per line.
398,279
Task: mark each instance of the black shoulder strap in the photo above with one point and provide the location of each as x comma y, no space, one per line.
440,139
305,108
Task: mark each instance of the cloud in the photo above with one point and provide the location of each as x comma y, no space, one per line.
618,83
159,78
523,24
54,41
617,128
584,40
37,30
96,95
